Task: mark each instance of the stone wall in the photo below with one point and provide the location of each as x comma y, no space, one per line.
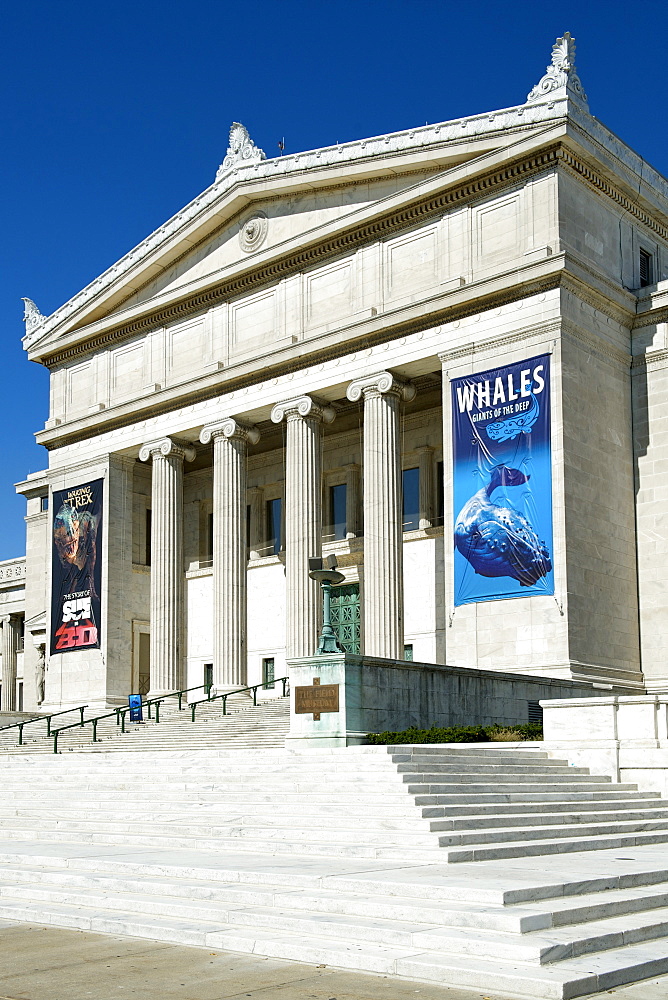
376,695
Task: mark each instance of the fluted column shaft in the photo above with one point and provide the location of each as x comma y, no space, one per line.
383,521
10,631
230,558
167,587
303,518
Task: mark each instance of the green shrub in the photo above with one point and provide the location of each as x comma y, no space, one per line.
454,734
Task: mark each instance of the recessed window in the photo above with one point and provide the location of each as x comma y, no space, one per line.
337,502
440,499
208,675
646,268
408,651
274,512
209,537
268,672
411,499
147,546
44,503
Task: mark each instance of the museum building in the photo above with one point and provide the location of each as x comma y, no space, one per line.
439,355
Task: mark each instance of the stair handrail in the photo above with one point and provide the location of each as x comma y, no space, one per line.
227,694
121,712
47,719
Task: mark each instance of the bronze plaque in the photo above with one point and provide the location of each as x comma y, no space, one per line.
316,699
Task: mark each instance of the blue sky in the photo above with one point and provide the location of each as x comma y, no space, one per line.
115,115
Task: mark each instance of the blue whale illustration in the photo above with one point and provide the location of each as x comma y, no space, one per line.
512,427
498,540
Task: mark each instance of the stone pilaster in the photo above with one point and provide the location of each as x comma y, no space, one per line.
230,558
10,635
303,517
167,604
383,536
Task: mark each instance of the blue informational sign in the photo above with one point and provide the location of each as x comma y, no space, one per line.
134,701
502,482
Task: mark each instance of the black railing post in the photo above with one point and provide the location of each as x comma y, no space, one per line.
94,730
193,706
20,736
157,712
123,721
255,695
149,705
82,712
224,704
48,726
55,742
180,700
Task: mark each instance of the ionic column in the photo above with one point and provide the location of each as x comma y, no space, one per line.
383,535
10,635
230,558
303,517
167,618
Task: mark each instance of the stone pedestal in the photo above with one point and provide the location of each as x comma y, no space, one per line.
303,517
167,619
10,637
230,558
383,534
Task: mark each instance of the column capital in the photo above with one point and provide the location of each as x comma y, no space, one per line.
166,446
11,619
302,406
380,384
230,427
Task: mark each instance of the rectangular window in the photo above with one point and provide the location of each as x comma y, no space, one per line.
646,268
440,500
274,511
208,675
20,698
268,672
147,547
337,505
411,499
44,503
209,537
408,651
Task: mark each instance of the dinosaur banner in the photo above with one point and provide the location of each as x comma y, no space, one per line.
76,568
502,482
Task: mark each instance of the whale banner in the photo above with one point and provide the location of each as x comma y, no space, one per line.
502,483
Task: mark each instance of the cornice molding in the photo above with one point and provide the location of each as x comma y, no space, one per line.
465,352
345,242
414,141
569,160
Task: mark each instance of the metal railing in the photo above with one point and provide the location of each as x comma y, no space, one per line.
253,687
45,718
120,713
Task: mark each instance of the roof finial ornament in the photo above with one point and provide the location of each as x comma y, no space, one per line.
241,152
32,317
561,78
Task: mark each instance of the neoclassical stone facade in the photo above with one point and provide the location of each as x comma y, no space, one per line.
267,377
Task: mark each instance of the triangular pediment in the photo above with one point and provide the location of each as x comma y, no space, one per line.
255,213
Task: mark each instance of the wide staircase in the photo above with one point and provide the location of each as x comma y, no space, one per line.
243,725
483,867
